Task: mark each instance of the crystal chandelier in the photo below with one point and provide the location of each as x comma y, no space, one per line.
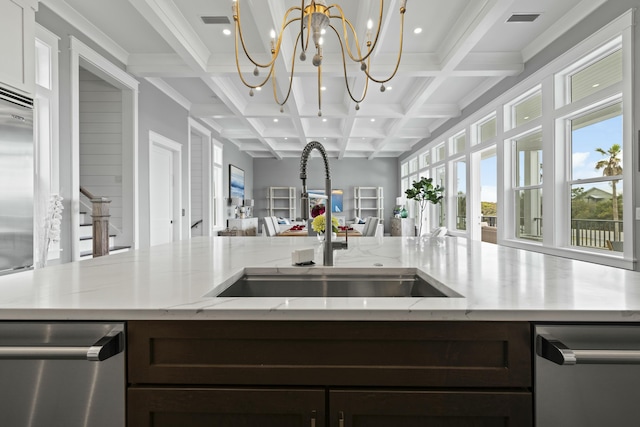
315,20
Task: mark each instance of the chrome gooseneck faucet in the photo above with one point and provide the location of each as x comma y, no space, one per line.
329,246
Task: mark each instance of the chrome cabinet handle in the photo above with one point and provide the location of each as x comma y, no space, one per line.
107,346
557,352
341,419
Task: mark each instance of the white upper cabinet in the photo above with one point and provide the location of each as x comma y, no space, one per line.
17,45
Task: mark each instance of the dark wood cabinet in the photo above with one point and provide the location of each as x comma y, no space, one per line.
417,408
323,373
224,407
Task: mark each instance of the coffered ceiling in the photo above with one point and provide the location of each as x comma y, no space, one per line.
464,49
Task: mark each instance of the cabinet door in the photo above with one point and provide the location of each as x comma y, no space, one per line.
17,44
206,407
374,408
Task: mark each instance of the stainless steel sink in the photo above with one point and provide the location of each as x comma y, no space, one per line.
326,283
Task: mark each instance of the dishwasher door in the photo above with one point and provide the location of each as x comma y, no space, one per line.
62,374
587,375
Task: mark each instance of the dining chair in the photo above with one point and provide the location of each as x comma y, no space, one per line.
269,228
370,226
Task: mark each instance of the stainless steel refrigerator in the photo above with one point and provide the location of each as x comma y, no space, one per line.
16,182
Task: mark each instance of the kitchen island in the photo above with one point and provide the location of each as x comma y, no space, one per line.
194,359
179,281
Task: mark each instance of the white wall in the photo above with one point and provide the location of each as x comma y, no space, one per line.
101,142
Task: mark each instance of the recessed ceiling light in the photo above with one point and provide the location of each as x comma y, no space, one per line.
217,117
596,85
324,120
226,32
275,120
417,30
389,88
373,120
285,138
259,88
323,88
526,117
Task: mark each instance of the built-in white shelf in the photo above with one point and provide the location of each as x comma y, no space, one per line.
369,201
281,202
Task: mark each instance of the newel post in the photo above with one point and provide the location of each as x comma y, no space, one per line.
100,216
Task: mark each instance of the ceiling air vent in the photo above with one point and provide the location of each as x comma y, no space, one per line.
523,17
215,19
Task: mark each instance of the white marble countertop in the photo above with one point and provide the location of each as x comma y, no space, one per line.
172,282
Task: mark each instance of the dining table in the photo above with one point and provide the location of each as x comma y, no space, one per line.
302,232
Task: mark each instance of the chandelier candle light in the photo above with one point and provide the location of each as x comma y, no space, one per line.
315,19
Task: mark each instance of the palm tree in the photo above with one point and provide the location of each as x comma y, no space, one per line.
611,167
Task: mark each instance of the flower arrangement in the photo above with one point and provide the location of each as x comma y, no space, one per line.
51,227
317,210
318,224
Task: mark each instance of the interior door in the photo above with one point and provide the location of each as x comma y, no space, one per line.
161,195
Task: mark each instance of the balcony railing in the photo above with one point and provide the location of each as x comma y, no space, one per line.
595,233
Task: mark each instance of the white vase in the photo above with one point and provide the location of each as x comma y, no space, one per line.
334,236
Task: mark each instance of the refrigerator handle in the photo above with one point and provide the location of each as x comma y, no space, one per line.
107,346
557,352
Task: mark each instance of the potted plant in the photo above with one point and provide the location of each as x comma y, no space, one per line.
424,191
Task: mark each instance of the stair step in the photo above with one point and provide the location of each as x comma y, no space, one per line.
112,250
86,243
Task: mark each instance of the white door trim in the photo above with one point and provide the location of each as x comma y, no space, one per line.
155,139
83,55
207,195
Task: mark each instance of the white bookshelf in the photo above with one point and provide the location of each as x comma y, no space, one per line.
369,201
281,202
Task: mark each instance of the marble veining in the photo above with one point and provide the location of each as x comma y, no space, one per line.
176,280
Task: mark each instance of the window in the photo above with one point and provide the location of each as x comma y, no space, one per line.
458,143
404,169
460,169
596,184
596,76
487,130
441,208
439,152
217,212
526,110
425,160
413,165
528,186
47,182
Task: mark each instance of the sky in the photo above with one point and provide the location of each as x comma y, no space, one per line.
585,141
583,152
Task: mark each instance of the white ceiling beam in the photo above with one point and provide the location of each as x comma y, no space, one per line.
69,14
211,110
437,110
159,65
478,19
165,17
170,92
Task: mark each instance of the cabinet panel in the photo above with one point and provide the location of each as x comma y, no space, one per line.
206,407
17,45
403,354
373,408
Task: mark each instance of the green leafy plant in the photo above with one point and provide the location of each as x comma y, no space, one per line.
424,191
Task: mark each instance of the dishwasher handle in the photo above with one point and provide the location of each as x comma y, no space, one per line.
108,346
557,352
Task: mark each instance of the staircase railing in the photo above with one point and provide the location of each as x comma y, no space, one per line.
100,222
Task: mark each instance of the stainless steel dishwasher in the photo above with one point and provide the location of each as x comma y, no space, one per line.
63,374
587,375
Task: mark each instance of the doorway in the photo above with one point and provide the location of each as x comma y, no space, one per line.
164,190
